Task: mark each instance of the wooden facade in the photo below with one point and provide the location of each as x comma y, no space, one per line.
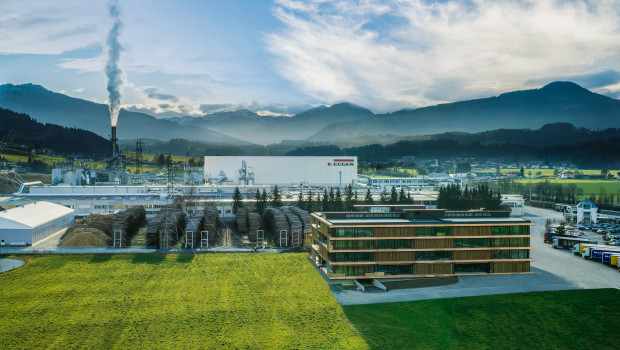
419,249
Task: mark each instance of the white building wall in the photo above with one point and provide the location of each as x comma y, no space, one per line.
280,170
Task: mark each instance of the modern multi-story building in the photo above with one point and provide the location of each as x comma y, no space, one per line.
409,242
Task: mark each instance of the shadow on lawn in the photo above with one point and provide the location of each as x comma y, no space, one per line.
156,258
185,258
101,258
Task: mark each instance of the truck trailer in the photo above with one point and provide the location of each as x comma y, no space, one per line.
597,252
606,257
569,242
579,248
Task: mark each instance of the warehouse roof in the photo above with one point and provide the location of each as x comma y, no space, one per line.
33,215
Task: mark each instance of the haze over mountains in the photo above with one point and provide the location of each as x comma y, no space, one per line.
555,102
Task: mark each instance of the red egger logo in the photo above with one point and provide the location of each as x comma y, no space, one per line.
342,162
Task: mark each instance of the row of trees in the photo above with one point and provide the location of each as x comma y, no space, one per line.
454,197
560,193
329,200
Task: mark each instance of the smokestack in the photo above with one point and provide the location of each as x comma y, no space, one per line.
114,149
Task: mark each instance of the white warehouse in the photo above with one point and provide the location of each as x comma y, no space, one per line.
281,170
33,222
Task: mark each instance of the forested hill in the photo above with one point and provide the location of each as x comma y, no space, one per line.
587,148
28,131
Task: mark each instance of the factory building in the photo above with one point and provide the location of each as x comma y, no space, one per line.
411,242
31,223
281,170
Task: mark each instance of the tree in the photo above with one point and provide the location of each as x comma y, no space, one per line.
384,197
161,160
309,203
276,197
561,229
348,198
422,171
368,197
555,172
325,201
402,198
331,206
237,200
393,196
301,204
498,171
262,204
522,171
338,205
463,168
604,173
258,202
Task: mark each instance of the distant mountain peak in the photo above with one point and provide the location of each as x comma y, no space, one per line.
563,85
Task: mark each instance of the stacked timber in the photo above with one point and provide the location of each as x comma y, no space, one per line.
129,222
94,231
295,226
172,228
304,216
211,222
254,224
276,221
242,220
192,230
152,229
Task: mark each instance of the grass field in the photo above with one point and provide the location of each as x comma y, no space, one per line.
580,319
589,187
269,301
210,301
545,172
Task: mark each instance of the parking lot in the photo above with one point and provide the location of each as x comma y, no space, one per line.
553,269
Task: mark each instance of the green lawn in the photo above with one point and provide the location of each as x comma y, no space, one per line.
269,301
580,319
589,187
176,302
545,172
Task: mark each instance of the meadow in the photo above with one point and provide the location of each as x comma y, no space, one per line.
210,301
269,301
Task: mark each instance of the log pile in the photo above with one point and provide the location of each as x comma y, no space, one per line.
276,221
192,230
254,224
165,230
304,216
242,220
129,222
295,226
210,222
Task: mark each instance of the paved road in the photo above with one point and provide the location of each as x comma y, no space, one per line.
553,270
10,264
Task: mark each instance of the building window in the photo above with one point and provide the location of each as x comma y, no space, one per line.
352,257
352,245
511,254
472,268
433,256
394,244
395,269
474,242
353,232
433,231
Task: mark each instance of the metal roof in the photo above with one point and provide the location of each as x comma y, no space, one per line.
33,215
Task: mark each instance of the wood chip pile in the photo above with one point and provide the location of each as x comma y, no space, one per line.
276,221
129,222
94,231
242,220
211,222
254,224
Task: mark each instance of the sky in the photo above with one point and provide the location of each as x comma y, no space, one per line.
194,57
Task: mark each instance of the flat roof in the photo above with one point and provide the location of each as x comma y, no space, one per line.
33,214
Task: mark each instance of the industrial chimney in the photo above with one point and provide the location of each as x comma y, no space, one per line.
114,147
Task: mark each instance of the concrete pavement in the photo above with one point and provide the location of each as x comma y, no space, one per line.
553,269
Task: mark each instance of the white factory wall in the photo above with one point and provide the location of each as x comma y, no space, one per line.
34,222
282,170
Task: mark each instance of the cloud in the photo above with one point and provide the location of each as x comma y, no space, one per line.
156,95
49,26
396,53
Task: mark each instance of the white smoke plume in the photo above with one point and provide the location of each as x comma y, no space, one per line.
112,70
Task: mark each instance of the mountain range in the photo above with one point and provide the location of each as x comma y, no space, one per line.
340,123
